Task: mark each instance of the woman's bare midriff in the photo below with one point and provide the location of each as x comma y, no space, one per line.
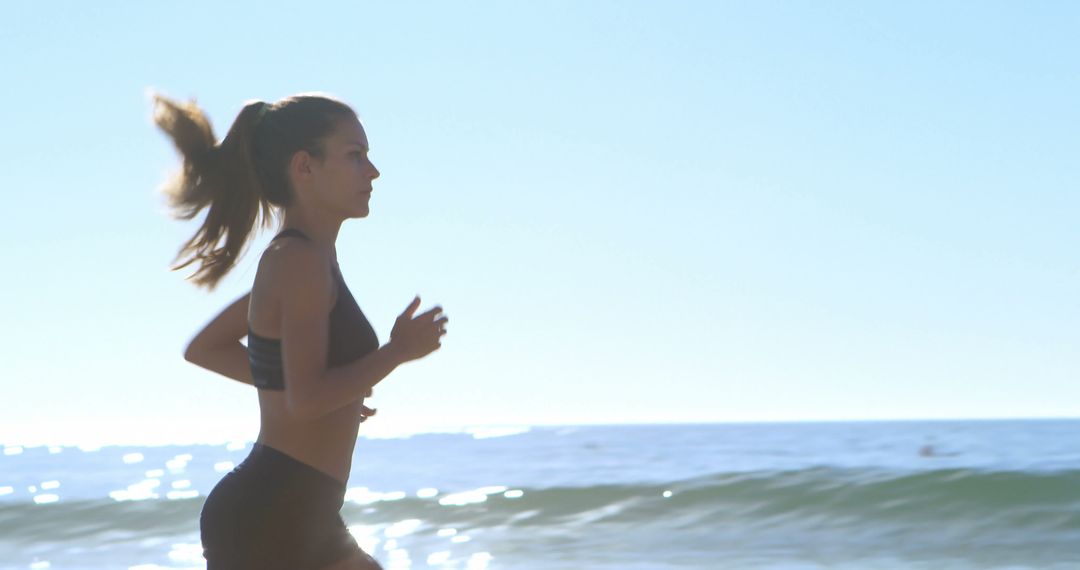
326,443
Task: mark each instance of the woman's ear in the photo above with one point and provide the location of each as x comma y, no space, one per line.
303,168
300,165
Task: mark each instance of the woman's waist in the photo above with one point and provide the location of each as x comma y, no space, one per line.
330,456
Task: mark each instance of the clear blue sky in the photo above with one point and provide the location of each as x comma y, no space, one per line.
630,211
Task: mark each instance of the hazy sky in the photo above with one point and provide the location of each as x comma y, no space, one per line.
630,211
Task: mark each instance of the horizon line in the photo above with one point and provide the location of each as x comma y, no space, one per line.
477,430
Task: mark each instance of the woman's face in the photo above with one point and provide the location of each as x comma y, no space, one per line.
344,176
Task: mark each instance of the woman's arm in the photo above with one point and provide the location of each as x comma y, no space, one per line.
217,347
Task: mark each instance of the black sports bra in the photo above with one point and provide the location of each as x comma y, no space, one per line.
351,337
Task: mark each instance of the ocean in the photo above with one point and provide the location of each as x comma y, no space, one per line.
782,496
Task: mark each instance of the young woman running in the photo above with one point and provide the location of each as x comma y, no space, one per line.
311,352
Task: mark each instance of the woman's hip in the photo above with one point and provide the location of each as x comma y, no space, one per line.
273,507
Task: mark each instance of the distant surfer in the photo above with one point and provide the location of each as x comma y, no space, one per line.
928,450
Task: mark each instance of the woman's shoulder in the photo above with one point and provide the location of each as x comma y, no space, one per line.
293,250
294,266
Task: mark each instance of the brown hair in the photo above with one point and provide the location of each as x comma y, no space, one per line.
243,176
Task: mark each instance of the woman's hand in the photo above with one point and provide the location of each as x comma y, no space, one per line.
414,338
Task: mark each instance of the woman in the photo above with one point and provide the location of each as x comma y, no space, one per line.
311,352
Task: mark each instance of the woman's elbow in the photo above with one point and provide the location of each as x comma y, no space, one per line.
191,354
196,351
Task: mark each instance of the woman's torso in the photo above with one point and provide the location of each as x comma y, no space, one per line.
326,443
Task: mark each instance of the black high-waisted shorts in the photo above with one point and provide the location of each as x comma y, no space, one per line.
275,512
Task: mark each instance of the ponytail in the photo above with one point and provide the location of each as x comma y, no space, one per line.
240,178
215,176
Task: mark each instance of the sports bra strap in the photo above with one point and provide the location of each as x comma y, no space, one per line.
291,231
